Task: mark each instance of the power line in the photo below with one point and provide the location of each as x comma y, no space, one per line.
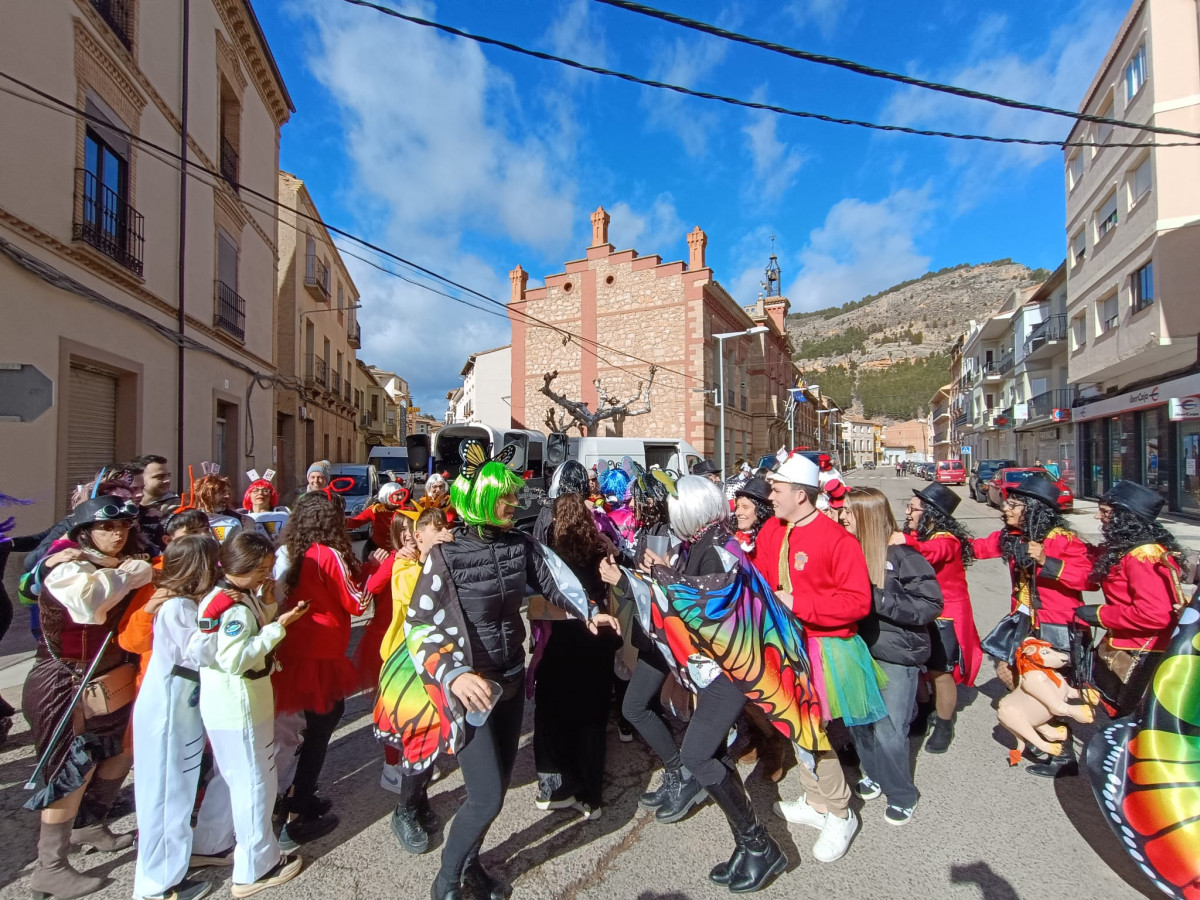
170,157
750,104
873,72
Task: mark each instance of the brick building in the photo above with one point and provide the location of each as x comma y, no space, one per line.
639,306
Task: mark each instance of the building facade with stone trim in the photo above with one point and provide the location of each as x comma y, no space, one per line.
94,287
611,313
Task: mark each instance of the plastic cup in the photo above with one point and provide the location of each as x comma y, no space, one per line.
658,544
478,718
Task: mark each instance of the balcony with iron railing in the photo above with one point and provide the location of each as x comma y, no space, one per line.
229,162
962,419
316,371
229,311
105,220
116,14
316,277
1044,338
335,383
1005,363
354,335
1045,405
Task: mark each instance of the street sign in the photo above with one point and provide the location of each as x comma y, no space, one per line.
25,393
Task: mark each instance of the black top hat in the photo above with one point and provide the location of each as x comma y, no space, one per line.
756,488
940,497
705,467
101,509
1039,487
1137,498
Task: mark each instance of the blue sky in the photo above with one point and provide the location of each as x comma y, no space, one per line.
470,160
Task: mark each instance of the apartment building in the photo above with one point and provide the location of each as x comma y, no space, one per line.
860,436
987,385
486,394
378,414
1133,262
317,337
145,298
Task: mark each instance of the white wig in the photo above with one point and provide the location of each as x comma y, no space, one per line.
434,479
698,502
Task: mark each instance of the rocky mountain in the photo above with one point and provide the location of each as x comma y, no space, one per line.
901,328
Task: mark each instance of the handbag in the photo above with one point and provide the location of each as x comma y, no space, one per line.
945,652
1122,663
1002,641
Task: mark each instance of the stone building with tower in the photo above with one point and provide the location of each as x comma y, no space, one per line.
612,313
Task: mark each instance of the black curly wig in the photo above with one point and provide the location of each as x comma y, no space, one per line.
934,520
1126,530
763,510
1039,520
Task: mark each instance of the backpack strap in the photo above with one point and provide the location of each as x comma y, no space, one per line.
210,617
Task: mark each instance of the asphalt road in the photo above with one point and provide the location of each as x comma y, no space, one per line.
981,829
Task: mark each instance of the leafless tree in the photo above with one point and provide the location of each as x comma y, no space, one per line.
607,406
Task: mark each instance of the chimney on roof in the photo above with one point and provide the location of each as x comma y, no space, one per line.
697,241
600,220
519,278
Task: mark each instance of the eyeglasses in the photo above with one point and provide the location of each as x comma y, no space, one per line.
911,508
113,525
1010,503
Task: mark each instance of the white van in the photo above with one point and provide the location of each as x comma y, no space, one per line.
667,453
390,459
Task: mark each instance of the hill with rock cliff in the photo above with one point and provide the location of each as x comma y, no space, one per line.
885,355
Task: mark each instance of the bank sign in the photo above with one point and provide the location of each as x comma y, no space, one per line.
1182,409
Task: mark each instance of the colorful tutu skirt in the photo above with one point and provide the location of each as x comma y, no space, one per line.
847,679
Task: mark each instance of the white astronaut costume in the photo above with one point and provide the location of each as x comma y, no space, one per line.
168,738
237,706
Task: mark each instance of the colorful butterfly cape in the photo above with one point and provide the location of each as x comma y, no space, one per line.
735,620
414,711
1145,768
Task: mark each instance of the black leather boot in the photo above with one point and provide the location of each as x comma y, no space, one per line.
657,797
1065,765
943,734
483,885
682,796
757,858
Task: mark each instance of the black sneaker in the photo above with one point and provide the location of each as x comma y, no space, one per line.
406,826
624,731
898,815
302,829
551,796
185,890
428,818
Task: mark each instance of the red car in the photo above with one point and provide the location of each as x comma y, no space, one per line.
951,471
997,488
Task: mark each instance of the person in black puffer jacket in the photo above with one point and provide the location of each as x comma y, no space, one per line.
479,582
907,599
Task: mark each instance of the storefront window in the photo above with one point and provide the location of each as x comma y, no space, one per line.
1094,454
1156,450
1124,452
1189,478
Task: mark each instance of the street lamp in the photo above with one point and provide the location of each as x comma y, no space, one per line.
721,339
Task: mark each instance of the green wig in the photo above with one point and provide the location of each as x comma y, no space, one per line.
476,499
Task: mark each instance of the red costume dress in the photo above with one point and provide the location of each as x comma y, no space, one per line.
313,672
1061,580
944,552
380,516
367,661
1141,593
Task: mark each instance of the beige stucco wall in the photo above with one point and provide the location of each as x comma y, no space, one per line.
64,48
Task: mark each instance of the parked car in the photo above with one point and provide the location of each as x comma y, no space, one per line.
1007,478
951,471
869,464
358,486
983,472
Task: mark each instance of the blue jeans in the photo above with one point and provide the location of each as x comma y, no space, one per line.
883,745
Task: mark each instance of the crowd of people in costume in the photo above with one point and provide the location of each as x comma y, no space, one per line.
782,613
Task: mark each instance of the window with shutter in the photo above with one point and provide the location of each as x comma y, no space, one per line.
1106,218
1139,182
92,424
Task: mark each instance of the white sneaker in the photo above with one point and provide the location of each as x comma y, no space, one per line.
389,778
835,837
798,812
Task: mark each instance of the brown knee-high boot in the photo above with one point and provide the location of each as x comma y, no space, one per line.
91,829
53,875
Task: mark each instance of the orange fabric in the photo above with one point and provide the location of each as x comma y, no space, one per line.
135,633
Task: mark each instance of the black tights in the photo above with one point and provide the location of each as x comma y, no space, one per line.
487,764
414,789
318,731
641,706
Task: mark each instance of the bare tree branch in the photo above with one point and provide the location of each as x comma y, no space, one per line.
607,407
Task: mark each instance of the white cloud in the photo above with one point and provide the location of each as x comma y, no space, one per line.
1057,76
824,15
776,164
576,34
862,248
655,230
687,63
442,153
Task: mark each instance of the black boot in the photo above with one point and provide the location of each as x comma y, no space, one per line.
657,797
483,885
943,734
757,858
682,796
920,723
1065,765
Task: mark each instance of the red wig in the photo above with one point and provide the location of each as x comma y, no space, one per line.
261,482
